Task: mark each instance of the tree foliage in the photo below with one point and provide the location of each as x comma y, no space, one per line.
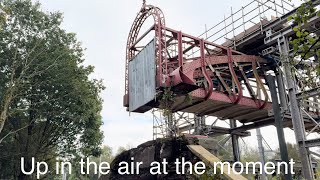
106,156
305,45
49,107
292,153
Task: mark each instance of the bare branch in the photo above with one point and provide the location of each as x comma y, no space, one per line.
13,132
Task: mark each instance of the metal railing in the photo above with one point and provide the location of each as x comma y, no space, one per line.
250,17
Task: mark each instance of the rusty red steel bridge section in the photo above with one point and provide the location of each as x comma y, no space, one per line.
217,80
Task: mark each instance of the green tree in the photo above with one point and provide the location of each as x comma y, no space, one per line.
292,153
250,154
48,105
106,156
306,46
124,148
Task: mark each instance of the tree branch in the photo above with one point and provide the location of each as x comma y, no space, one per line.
13,132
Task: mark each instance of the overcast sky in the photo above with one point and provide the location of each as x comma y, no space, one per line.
103,26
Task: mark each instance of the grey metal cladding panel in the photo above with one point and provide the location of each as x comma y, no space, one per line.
142,77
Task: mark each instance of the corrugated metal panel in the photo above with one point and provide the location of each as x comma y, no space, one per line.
142,77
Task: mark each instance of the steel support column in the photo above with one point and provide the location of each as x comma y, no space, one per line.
170,125
282,91
261,154
235,142
278,123
199,124
295,111
203,122
197,129
196,125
